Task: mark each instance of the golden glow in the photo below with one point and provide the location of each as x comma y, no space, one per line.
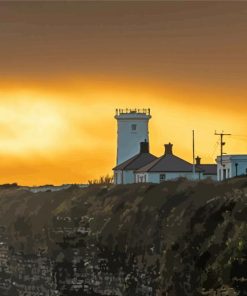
65,131
27,123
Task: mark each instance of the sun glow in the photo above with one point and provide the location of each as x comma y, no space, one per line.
66,133
28,123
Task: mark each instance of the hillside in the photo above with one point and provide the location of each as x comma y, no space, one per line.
175,238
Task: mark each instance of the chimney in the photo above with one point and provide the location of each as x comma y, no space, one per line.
144,147
168,149
198,160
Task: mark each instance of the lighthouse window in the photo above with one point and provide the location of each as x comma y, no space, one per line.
133,127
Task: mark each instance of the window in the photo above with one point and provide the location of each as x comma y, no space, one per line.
133,127
162,177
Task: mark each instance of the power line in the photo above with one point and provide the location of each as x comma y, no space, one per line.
214,149
234,135
193,144
239,138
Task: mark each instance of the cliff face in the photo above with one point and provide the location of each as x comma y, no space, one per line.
175,238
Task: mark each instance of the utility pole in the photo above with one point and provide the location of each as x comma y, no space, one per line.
193,144
222,143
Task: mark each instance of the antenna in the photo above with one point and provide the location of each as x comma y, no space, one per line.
222,144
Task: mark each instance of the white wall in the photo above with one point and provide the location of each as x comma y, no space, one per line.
220,171
227,169
241,168
129,177
117,177
124,177
141,177
128,140
155,177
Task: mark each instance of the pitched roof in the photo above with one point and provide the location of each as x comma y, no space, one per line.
136,162
168,163
208,169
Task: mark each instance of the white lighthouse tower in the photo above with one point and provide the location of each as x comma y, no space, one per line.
132,128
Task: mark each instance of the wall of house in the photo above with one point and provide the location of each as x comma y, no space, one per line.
117,177
141,177
241,168
228,170
128,177
155,177
124,177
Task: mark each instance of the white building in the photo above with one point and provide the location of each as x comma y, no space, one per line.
124,173
167,167
134,162
229,166
132,128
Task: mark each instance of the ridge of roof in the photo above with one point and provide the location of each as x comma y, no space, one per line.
148,167
155,162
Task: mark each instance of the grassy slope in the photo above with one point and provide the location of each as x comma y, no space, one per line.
196,231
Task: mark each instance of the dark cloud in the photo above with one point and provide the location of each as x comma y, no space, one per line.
195,41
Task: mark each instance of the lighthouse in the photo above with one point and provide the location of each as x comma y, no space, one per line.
132,129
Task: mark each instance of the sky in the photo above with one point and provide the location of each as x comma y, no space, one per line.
66,66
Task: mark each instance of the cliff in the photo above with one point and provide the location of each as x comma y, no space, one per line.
176,238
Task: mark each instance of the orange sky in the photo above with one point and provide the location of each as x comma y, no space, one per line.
60,85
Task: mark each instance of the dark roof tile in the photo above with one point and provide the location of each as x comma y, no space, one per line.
136,162
168,163
208,169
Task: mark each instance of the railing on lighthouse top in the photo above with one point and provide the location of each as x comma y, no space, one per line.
133,111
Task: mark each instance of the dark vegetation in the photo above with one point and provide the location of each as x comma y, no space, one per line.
188,238
9,186
103,180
